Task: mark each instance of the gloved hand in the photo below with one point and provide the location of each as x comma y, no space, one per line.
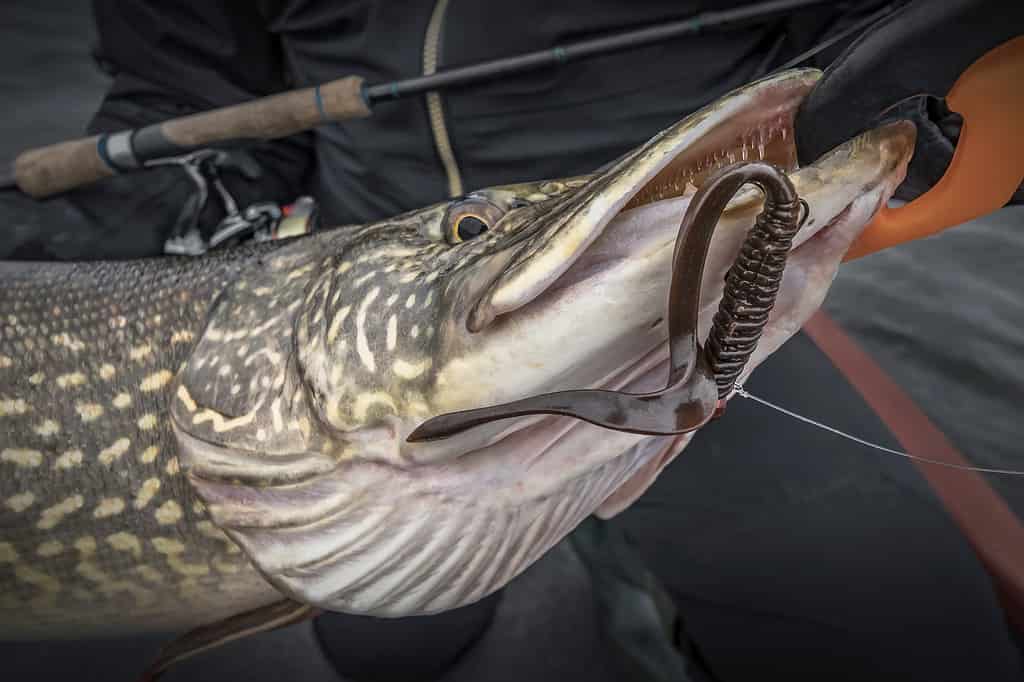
900,68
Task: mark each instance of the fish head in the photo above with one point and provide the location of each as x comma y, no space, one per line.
340,344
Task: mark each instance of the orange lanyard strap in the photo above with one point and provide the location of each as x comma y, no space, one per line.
988,163
968,51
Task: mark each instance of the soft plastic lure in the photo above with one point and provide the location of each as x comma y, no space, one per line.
699,376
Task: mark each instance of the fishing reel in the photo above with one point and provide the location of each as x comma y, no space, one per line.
259,222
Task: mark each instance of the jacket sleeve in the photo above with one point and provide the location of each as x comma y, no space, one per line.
910,57
171,58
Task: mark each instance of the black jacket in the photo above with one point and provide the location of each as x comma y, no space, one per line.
172,58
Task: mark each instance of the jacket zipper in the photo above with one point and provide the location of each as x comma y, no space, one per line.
435,108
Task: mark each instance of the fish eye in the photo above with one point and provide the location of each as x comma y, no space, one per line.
470,226
470,218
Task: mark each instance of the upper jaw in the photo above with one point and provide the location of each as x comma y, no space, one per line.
753,121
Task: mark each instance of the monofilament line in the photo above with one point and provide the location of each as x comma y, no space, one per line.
742,392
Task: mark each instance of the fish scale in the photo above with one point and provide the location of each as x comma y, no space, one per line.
97,524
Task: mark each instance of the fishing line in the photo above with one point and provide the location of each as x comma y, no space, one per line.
845,33
742,392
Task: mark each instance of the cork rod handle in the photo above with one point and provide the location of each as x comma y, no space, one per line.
63,166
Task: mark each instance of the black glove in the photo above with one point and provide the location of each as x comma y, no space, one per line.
900,68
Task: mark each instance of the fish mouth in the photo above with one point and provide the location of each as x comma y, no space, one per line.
754,123
594,269
615,347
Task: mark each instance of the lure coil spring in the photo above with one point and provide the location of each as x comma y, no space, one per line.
752,283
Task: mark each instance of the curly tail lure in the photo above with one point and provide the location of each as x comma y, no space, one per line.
753,281
700,377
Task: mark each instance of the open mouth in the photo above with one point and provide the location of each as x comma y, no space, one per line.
755,123
758,128
596,259
747,138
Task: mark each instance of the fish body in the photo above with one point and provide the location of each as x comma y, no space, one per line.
99,528
183,440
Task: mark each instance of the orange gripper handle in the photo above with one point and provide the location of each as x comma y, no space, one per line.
988,162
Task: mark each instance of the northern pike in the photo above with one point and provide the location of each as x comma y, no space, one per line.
185,439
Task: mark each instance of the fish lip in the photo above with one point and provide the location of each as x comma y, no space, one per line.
753,105
900,134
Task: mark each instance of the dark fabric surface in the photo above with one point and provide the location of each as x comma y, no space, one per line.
173,58
177,57
109,221
170,59
790,554
944,316
793,552
916,50
395,650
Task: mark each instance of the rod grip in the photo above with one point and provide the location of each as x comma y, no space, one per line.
59,167
271,117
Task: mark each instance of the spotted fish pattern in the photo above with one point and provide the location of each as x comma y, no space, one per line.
95,515
275,351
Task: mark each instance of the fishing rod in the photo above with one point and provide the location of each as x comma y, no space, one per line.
53,169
